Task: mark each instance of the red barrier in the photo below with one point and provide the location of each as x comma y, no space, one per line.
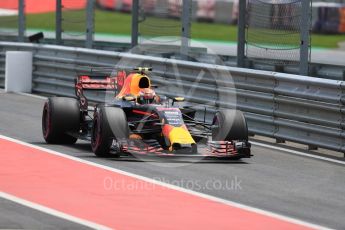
42,6
342,20
107,4
8,4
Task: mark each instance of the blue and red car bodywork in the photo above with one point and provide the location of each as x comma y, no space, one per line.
160,129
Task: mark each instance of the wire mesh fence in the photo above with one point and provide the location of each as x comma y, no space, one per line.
73,19
273,31
160,23
9,20
41,22
272,26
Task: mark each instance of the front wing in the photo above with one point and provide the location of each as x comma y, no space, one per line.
210,150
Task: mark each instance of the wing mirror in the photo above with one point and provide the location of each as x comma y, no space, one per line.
143,69
129,98
178,99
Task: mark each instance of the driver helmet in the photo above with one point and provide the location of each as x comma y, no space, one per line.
146,96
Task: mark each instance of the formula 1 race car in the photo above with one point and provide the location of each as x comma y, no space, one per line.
137,121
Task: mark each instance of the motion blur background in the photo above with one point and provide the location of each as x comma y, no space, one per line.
212,19
272,40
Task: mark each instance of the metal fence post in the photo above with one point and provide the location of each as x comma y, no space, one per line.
135,23
186,28
21,20
58,22
305,38
241,37
90,23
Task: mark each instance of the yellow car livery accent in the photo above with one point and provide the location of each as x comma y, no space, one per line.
180,135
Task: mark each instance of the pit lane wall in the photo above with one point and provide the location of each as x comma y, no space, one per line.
283,106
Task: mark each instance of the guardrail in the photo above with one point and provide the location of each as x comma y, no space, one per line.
326,71
286,107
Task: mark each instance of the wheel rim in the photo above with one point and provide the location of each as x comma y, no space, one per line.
46,121
215,128
95,134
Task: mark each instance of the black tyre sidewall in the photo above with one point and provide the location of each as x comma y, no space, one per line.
60,117
109,123
232,126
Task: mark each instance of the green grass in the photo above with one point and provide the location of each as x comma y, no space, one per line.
120,24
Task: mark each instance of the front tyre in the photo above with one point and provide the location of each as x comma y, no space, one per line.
229,125
109,124
60,118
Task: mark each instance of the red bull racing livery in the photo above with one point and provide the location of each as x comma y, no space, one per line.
138,121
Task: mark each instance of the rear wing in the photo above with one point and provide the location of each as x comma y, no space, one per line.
96,82
98,78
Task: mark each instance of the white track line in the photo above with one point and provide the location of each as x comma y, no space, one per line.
298,153
33,96
8,12
52,211
205,196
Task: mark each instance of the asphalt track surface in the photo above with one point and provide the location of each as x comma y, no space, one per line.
16,216
299,187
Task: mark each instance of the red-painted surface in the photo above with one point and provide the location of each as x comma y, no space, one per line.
8,4
108,4
41,6
78,189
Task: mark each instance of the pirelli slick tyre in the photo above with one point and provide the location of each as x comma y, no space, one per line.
60,118
229,125
109,124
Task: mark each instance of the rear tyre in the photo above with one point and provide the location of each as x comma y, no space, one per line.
60,118
229,125
109,124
